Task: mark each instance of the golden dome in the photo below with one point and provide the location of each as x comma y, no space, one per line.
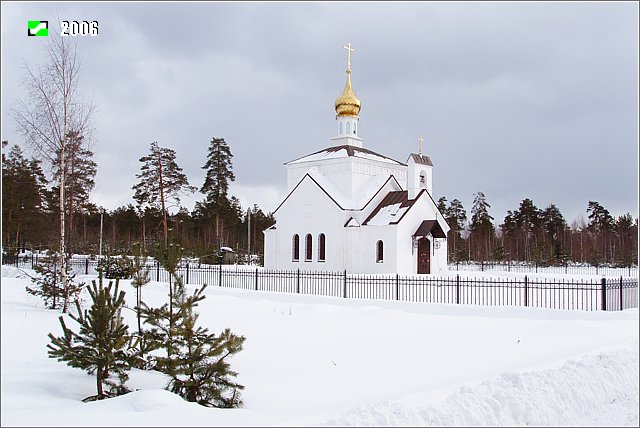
348,104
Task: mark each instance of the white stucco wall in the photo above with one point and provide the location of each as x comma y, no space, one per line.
363,255
308,210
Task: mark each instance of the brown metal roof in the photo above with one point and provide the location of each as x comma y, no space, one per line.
421,159
391,199
430,226
351,151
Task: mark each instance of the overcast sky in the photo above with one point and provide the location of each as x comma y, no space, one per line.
516,100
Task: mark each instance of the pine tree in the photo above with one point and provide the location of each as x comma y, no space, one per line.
23,198
196,361
216,183
482,230
169,258
103,345
554,226
528,220
456,216
601,224
161,182
139,278
47,284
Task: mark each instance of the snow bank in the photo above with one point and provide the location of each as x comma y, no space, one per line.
12,272
313,359
597,389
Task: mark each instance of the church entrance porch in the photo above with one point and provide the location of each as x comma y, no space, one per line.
424,256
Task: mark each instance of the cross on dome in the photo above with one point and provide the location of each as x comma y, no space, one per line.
349,50
348,104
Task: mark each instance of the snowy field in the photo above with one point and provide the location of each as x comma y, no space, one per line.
312,360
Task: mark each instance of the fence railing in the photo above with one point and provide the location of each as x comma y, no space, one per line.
591,294
535,268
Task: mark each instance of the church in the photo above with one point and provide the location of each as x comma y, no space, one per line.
351,209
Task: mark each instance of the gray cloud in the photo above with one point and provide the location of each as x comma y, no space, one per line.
515,100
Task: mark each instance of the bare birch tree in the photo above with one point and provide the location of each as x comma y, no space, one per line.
50,112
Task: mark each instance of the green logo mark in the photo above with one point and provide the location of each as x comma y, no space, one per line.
38,28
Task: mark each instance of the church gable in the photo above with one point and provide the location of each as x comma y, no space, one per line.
308,185
395,206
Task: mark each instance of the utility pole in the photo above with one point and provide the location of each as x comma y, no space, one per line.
100,251
248,235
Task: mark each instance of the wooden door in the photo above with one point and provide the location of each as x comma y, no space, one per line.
424,255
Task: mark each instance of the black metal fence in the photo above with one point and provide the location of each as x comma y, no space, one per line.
596,294
521,267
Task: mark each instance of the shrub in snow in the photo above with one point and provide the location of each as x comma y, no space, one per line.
47,284
103,345
115,267
195,360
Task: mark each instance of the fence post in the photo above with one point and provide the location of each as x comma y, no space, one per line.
621,293
86,266
345,283
481,266
157,271
298,281
32,258
256,279
604,294
397,287
220,276
526,291
458,289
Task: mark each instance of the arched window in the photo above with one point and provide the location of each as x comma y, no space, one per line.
308,243
295,248
321,247
423,179
354,128
379,252
340,129
348,127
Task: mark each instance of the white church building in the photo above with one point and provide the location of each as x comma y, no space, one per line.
351,209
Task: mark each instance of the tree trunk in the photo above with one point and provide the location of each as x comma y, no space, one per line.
170,314
63,264
164,211
99,382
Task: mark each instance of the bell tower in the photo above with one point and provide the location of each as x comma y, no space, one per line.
419,173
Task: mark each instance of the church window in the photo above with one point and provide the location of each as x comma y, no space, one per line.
379,252
321,247
295,248
354,128
340,129
348,127
308,247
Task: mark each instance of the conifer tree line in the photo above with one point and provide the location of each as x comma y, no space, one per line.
542,236
30,206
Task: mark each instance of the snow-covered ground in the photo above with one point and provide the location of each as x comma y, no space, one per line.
311,360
